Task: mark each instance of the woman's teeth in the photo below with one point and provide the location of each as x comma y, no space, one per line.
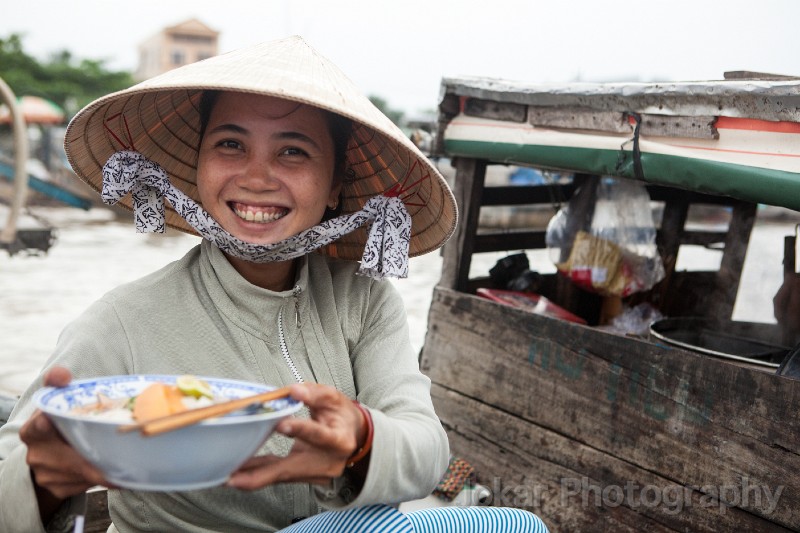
258,216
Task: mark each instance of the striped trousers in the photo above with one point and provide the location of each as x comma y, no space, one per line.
383,518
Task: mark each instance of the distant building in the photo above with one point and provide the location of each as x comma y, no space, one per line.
175,46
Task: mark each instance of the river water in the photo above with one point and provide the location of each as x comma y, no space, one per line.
95,252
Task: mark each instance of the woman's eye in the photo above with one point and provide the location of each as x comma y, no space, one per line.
293,151
228,143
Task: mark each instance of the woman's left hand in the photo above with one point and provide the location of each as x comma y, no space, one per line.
322,446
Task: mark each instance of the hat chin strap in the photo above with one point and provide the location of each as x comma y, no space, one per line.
385,254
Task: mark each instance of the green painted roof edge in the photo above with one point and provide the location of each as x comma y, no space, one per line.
754,184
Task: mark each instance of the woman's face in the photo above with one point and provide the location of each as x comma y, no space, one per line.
265,170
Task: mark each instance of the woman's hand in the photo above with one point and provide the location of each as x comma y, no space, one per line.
57,470
322,446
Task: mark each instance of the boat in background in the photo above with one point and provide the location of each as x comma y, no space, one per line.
23,232
591,429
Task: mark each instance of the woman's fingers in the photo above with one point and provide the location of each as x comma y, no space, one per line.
329,432
38,429
56,466
58,376
61,471
318,397
335,422
295,468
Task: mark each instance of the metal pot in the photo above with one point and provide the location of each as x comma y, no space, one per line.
742,341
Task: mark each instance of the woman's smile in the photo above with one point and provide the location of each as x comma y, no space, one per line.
259,214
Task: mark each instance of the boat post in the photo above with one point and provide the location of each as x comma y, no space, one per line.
8,234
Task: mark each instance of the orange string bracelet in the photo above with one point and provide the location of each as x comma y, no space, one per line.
364,450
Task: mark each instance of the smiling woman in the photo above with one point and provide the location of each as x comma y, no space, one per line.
296,182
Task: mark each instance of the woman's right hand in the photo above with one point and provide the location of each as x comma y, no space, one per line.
57,470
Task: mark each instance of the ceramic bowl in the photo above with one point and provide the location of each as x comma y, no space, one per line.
194,457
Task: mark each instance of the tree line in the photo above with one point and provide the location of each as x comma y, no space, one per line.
69,82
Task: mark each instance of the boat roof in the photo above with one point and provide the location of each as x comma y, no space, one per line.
765,99
738,138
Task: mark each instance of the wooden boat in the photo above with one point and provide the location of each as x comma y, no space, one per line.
27,234
592,430
51,190
8,233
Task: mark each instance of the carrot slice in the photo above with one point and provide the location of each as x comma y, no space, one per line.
157,400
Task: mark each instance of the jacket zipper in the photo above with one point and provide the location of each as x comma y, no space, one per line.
282,338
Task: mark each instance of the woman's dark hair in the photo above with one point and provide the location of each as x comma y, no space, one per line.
341,128
207,101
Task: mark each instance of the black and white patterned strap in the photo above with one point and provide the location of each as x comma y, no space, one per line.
385,254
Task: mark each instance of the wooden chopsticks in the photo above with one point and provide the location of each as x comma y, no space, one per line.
163,424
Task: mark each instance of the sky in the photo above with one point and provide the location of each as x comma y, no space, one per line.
401,50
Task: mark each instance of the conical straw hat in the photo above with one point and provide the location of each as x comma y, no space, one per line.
160,118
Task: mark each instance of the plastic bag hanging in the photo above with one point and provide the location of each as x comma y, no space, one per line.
604,240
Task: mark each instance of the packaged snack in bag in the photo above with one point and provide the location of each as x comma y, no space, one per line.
605,239
595,264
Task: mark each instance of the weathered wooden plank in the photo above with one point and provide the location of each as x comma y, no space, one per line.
751,75
694,127
516,240
673,413
573,486
668,240
475,107
776,101
580,118
730,269
532,194
97,517
493,241
703,238
457,252
448,108
670,232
